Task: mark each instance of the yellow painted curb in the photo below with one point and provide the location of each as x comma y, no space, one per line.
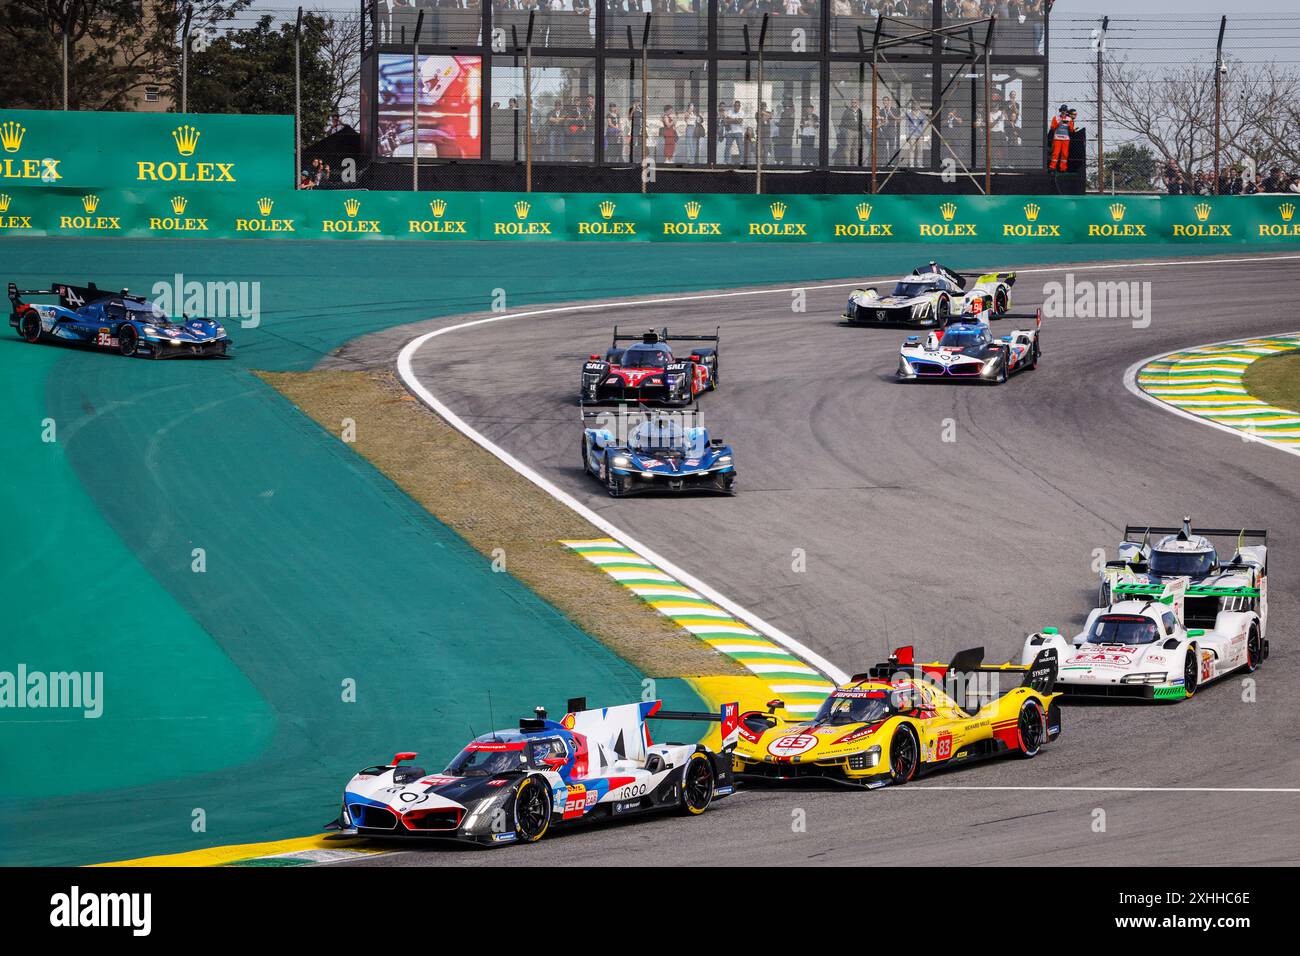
222,855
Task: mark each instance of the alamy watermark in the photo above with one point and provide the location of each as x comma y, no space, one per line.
1073,299
55,690
231,301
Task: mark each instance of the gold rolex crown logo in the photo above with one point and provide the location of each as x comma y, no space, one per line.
949,209
187,139
606,209
90,203
1287,209
4,202
1202,210
521,209
1032,210
778,210
692,210
178,204
11,135
1117,210
352,207
265,205
864,211
438,207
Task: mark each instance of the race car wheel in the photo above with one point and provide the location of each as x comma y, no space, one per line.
1103,594
1033,356
1254,650
128,340
715,373
586,463
1032,727
999,303
1191,671
30,326
904,755
532,809
942,311
697,784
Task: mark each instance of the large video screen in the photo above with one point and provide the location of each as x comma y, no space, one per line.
450,100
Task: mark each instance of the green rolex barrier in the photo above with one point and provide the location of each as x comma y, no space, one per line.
54,210
197,151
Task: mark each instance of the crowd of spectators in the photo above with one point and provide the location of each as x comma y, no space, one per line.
1234,180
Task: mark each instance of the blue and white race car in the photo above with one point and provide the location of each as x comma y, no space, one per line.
659,454
129,324
969,350
512,786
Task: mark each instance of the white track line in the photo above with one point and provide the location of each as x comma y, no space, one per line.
407,374
1130,383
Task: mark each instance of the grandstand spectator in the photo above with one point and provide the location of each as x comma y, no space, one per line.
693,134
808,137
613,133
913,130
667,135
785,127
848,146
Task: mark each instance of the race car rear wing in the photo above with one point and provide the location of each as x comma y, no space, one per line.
1240,533
1036,315
727,716
1040,675
651,336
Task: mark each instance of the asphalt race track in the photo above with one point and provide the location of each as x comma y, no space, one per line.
911,539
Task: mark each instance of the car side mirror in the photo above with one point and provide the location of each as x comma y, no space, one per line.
775,704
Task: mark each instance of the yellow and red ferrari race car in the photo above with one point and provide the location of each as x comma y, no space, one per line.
903,718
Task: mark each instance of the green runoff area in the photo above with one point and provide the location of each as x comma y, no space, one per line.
223,689
1275,379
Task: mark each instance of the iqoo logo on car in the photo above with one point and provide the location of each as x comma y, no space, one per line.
778,226
186,140
948,229
608,224
1118,227
864,228
1031,228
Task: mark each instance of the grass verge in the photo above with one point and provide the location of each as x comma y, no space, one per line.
1275,379
492,508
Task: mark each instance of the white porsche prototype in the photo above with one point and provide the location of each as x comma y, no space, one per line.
1141,649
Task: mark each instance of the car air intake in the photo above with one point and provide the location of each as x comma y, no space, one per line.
444,818
372,818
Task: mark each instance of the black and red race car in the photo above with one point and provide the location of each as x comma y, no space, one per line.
649,371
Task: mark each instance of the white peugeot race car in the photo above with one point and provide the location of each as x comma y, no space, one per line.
930,297
1141,649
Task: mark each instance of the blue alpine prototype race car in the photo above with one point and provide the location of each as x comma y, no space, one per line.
129,324
659,454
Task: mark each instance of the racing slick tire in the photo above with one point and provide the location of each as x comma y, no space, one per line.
698,781
586,463
942,313
999,303
1033,357
29,327
532,809
128,340
1254,650
904,755
1103,594
1191,671
715,374
1031,726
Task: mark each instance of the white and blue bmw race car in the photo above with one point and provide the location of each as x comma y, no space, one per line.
969,350
512,786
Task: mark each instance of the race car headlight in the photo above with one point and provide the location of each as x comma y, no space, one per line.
865,759
150,330
904,366
487,807
220,332
723,460
991,365
1147,678
622,461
